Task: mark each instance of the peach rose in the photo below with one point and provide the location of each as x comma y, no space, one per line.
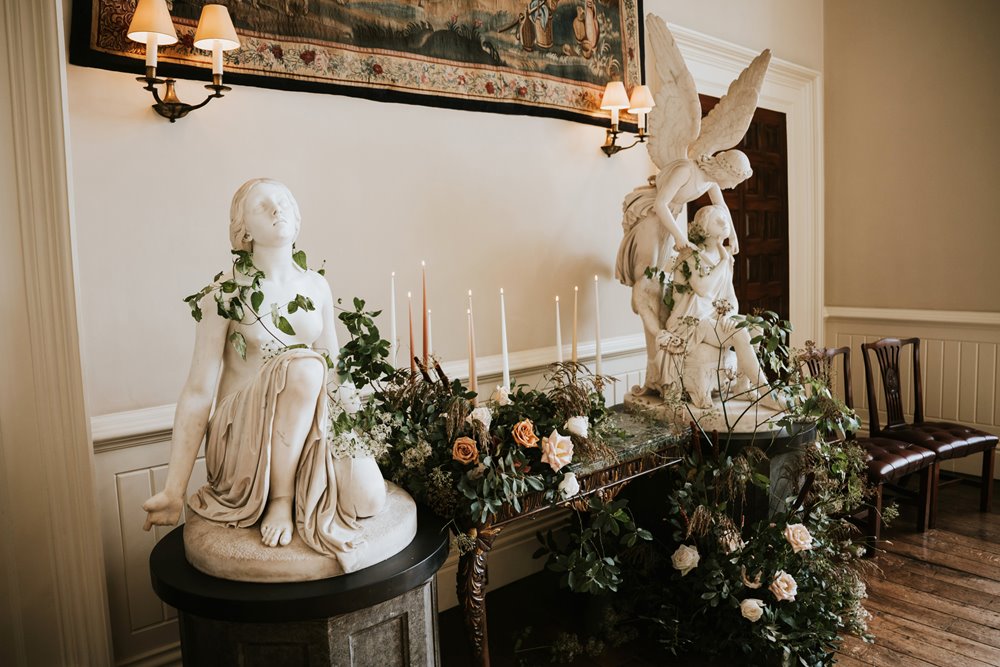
752,609
557,450
524,433
464,450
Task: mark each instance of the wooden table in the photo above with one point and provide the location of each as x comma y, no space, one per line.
639,447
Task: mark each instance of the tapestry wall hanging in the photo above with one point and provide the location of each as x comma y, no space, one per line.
539,57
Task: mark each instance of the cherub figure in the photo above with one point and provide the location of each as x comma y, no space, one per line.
685,148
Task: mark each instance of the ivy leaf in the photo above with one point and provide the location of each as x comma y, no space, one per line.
240,343
284,326
299,257
274,314
293,306
256,299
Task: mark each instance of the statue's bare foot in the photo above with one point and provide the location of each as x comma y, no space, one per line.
276,527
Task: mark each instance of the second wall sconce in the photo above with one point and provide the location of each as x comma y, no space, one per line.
616,99
151,25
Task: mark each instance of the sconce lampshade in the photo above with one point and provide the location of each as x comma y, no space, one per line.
642,100
615,96
216,26
151,24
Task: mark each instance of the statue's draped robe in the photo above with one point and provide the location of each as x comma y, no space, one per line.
238,459
689,306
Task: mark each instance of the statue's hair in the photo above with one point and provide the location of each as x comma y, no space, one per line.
697,229
237,226
733,163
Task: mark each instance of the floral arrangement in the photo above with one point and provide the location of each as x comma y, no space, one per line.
718,576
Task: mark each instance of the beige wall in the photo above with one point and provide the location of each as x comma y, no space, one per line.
489,201
911,145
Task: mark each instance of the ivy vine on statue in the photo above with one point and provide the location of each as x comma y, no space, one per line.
265,347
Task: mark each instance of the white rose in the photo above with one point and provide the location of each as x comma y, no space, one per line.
685,559
482,415
783,587
569,487
557,450
577,426
798,536
349,398
752,609
501,396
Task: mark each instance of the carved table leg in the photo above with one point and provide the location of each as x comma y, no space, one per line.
472,591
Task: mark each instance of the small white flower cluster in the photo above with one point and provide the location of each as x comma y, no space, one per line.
374,442
415,456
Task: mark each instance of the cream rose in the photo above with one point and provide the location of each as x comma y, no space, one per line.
348,398
685,559
752,609
798,536
569,487
524,433
464,450
482,415
783,587
578,426
501,396
557,450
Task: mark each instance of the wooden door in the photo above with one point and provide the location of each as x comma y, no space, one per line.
759,207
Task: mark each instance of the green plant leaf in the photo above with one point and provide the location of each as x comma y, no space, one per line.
284,326
239,343
299,257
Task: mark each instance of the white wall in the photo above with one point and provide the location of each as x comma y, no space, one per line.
488,200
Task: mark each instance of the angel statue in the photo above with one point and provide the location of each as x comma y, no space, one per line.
686,149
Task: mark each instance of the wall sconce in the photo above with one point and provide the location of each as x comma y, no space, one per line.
151,25
615,99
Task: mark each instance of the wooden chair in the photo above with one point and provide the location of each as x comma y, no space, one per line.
946,439
889,460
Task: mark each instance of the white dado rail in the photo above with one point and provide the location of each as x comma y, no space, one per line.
131,453
960,363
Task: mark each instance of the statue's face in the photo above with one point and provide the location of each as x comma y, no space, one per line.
269,215
718,226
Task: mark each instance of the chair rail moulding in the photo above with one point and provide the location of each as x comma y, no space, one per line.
795,91
133,428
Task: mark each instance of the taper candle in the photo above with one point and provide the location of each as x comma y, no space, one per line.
559,356
394,336
597,327
409,305
430,332
473,383
423,271
505,359
576,300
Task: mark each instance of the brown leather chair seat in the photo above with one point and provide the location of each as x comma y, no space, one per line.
946,440
890,460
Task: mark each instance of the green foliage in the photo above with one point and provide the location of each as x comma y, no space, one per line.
364,359
241,292
588,560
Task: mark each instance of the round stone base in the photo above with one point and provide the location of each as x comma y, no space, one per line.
238,554
735,417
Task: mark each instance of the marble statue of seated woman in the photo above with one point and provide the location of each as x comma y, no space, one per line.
266,450
701,333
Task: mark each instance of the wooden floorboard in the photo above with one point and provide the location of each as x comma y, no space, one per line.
936,597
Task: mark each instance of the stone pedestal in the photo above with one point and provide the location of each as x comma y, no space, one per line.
385,614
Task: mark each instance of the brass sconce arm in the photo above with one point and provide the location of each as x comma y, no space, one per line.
170,106
611,147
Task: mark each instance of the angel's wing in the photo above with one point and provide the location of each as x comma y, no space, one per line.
676,118
728,120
